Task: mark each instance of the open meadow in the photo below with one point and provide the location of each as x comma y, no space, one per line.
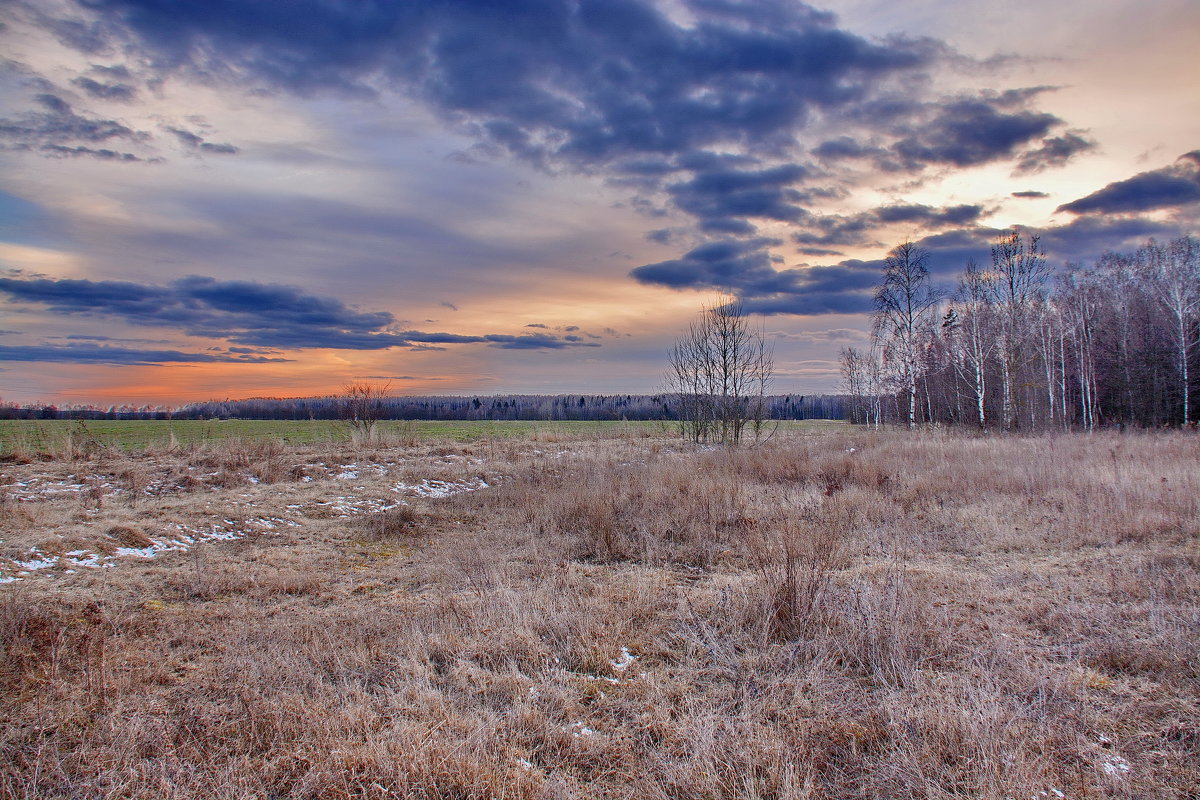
57,435
598,612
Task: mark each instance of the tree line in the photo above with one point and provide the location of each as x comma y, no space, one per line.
502,407
1015,347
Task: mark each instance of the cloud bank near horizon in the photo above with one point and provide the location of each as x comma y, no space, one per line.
238,312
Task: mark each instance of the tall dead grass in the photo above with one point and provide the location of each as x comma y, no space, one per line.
845,616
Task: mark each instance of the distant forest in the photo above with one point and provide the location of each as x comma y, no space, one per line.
504,407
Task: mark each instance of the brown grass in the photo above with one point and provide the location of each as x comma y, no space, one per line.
128,537
858,615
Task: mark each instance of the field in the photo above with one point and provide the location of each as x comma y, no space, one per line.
57,436
561,612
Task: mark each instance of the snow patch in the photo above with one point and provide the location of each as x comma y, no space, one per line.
435,488
39,561
624,661
1114,766
579,730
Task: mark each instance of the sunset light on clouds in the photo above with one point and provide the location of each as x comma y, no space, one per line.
245,198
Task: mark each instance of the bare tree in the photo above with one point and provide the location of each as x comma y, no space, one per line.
1172,274
1049,331
719,371
361,406
862,376
1017,283
1077,299
973,344
904,310
854,383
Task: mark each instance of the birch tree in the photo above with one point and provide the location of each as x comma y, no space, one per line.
862,379
904,307
1171,273
973,330
1019,276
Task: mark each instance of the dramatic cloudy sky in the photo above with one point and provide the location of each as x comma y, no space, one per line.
226,198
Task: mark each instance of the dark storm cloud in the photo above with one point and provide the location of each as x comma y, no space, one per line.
744,268
589,85
244,313
728,265
720,198
904,134
590,81
248,350
727,225
974,131
811,303
834,230
439,338
1054,152
121,356
535,341
845,147
928,216
610,87
1176,185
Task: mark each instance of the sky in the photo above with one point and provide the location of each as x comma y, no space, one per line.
232,198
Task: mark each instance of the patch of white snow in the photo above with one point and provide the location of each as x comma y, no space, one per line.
624,660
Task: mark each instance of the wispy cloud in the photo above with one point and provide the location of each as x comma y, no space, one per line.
55,129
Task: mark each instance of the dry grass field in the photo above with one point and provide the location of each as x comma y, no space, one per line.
837,614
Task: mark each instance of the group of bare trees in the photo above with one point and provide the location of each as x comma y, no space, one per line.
718,374
1112,343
